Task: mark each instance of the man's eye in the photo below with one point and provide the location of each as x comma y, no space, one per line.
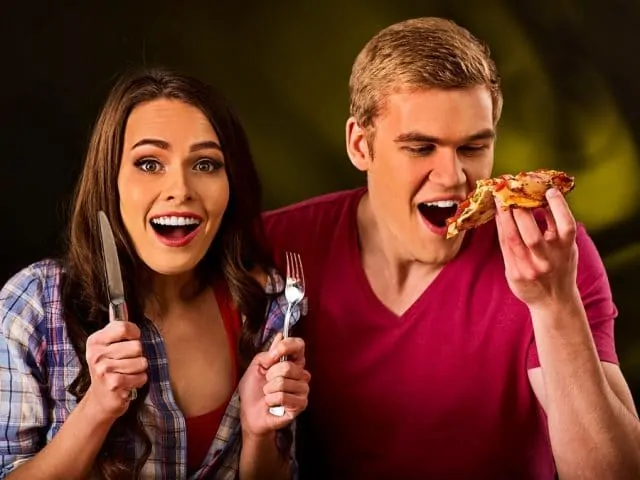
470,150
420,150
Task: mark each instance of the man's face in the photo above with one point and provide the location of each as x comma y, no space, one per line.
429,148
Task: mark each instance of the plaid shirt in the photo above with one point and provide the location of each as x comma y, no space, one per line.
38,362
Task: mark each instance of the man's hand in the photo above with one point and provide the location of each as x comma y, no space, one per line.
540,266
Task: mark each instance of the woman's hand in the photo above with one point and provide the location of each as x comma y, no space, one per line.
268,382
116,365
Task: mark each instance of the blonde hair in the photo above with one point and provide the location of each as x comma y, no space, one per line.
419,53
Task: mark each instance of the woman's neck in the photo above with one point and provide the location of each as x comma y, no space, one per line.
172,291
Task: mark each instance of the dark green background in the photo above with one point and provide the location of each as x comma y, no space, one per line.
569,68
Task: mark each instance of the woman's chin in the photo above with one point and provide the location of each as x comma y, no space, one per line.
173,266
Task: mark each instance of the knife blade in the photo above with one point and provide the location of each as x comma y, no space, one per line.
112,269
115,287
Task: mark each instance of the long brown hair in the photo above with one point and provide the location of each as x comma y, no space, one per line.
238,248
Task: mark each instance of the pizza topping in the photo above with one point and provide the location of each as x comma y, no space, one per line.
523,190
500,184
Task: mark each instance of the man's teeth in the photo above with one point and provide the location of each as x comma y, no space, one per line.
442,203
175,221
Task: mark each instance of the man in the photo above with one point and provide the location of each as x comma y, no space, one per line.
486,356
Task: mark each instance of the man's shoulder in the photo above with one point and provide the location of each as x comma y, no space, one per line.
328,202
306,227
317,212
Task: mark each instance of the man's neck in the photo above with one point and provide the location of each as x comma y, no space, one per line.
397,277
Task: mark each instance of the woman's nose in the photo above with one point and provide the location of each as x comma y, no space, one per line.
178,187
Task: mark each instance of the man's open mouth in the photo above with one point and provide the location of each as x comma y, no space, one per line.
436,213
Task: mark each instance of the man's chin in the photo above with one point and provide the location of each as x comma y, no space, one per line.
437,249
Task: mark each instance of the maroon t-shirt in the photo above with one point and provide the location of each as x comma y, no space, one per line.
439,392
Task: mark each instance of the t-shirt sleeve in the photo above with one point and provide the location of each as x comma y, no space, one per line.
23,405
595,292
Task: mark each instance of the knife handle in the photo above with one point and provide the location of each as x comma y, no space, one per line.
118,311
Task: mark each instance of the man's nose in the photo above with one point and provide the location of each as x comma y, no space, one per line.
448,170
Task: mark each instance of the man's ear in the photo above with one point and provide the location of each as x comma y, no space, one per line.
357,145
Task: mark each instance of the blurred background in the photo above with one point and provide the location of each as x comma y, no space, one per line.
569,69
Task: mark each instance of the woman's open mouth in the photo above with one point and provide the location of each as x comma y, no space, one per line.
176,231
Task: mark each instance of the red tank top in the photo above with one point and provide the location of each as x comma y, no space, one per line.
202,429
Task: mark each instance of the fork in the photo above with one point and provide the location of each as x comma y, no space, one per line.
293,293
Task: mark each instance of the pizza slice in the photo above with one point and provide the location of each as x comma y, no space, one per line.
523,190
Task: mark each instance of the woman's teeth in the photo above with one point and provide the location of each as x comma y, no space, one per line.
175,221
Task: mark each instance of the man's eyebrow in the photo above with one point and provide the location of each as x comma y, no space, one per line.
417,137
486,134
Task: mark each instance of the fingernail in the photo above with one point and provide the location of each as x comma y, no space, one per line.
552,192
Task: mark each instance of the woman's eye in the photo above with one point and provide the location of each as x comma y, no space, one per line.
149,165
208,165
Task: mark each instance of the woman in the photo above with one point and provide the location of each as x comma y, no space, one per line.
170,165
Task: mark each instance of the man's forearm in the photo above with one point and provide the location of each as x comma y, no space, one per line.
260,459
72,451
593,435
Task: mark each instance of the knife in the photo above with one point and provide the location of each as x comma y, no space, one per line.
117,305
112,269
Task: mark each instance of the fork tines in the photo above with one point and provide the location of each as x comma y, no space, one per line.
294,268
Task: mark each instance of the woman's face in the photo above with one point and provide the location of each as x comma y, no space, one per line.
172,184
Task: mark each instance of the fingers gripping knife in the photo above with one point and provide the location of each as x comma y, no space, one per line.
117,305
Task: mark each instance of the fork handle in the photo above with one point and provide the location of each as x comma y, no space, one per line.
279,410
285,327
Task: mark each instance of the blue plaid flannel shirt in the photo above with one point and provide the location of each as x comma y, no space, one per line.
38,362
